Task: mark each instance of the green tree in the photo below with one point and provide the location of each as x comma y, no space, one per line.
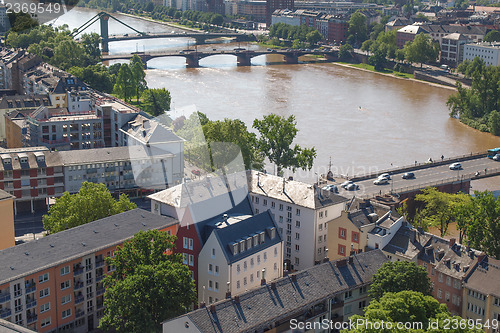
96,76
421,50
492,36
91,44
345,52
407,307
276,136
124,86
233,131
398,276
21,21
358,28
138,75
92,202
438,207
68,53
149,285
156,101
314,37
494,122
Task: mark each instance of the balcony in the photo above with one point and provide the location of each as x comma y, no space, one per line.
337,304
4,298
79,299
110,178
99,263
31,304
30,289
79,314
78,271
128,176
4,313
110,168
78,285
99,278
91,170
89,281
32,319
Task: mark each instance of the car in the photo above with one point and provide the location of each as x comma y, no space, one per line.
347,182
455,166
352,187
381,181
408,175
385,175
269,49
496,157
331,188
196,172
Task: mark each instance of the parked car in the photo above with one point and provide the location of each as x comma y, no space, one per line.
408,175
496,157
385,175
381,181
347,182
352,187
331,188
455,166
196,172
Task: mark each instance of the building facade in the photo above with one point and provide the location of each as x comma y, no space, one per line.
7,236
55,284
488,52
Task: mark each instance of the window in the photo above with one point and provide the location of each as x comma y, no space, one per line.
216,286
44,307
440,277
19,319
66,313
191,260
355,237
297,235
256,200
238,269
238,284
320,215
45,322
44,292
273,205
281,219
297,212
213,253
216,270
184,258
65,299
362,304
341,250
17,290
264,202
244,281
187,243
210,269
320,227
448,281
440,294
342,233
281,206
297,224
65,285
210,285
348,294
43,278
297,247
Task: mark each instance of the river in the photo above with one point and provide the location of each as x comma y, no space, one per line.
361,120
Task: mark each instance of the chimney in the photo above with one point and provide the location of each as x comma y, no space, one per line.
237,298
294,277
202,305
481,257
262,282
341,263
228,294
351,260
452,241
284,181
224,218
212,308
273,285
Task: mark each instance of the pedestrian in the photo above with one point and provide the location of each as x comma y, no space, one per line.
415,163
442,158
486,169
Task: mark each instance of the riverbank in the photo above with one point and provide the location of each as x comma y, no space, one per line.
168,24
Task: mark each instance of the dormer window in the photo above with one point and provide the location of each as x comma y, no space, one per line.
261,237
272,232
23,160
249,243
255,240
242,246
7,160
234,248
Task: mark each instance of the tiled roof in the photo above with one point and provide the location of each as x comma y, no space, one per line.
295,192
31,257
258,308
485,278
407,242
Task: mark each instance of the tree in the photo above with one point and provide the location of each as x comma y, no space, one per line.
21,21
421,50
358,28
233,131
149,284
492,36
276,136
124,86
438,207
156,101
408,307
345,52
314,37
92,202
398,276
68,53
90,44
138,75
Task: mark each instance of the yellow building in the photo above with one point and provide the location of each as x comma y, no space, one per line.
481,295
7,236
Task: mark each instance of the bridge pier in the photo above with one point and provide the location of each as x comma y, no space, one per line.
200,40
244,60
291,58
192,61
103,19
331,57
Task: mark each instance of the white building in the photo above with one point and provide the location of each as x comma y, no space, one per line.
489,52
301,212
241,253
452,49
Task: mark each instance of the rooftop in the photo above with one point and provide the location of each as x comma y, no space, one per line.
286,297
485,278
32,257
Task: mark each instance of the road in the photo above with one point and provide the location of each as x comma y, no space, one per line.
425,177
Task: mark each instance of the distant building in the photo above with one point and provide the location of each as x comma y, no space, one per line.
481,296
488,52
239,254
452,49
55,283
302,213
272,5
332,291
253,8
4,20
7,236
438,31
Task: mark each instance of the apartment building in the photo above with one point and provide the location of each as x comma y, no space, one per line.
272,5
488,52
8,327
452,49
132,170
54,284
198,206
301,211
406,244
481,295
448,264
32,175
332,291
7,236
363,226
241,251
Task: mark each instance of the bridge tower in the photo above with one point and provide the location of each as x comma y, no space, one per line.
104,18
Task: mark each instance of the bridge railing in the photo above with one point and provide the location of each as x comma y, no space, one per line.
459,178
420,165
